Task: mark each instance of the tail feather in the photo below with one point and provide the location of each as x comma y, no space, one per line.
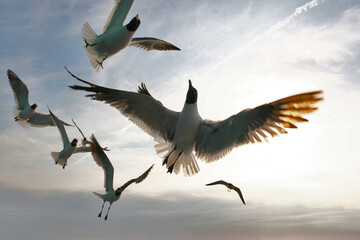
175,159
98,195
89,35
20,121
58,160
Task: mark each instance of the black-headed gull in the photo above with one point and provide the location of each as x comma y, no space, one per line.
68,147
116,36
181,133
24,113
230,187
103,161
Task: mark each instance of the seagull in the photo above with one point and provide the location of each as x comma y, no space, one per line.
116,36
180,133
230,187
84,142
24,113
68,147
103,161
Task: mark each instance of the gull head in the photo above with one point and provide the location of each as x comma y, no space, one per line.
191,96
34,106
74,142
118,192
133,25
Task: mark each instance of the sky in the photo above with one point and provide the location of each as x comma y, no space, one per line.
238,54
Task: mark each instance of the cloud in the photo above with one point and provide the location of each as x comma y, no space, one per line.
73,215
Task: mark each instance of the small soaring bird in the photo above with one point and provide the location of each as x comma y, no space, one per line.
103,161
181,133
230,187
116,36
68,147
24,114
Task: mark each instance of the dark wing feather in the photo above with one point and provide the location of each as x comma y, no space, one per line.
103,161
217,138
21,92
148,44
240,194
217,182
142,109
137,180
118,14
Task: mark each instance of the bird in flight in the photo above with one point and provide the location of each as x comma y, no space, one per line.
24,113
230,187
68,147
180,133
103,161
116,36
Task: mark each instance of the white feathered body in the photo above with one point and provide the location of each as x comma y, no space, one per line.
22,115
62,157
187,128
109,196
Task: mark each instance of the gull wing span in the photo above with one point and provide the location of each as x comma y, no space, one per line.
82,134
217,182
118,14
61,129
21,92
137,180
148,44
217,138
103,161
142,109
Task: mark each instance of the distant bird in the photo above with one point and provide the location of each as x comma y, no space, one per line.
24,114
230,187
181,133
84,141
116,36
68,147
103,161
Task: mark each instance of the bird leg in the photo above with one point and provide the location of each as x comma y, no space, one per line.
167,157
100,63
88,44
229,190
171,168
101,210
107,212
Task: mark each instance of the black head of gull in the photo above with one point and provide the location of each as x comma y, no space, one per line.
191,96
74,142
34,106
133,25
118,192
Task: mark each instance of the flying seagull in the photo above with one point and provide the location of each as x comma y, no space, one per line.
230,187
68,147
181,133
103,161
24,113
116,36
84,142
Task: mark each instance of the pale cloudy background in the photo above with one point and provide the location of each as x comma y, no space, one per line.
239,54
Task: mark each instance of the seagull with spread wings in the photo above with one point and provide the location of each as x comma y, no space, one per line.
230,187
181,133
116,36
69,148
24,113
103,161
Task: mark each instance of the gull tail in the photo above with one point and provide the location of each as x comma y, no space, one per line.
175,159
20,121
89,37
57,159
98,195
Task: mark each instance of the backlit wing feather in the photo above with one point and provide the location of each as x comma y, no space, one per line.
142,109
217,138
21,92
148,44
103,161
61,128
137,180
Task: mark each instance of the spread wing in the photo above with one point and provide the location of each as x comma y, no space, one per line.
217,138
21,92
61,129
103,161
82,149
118,14
142,109
43,120
240,194
137,180
82,134
217,182
148,44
